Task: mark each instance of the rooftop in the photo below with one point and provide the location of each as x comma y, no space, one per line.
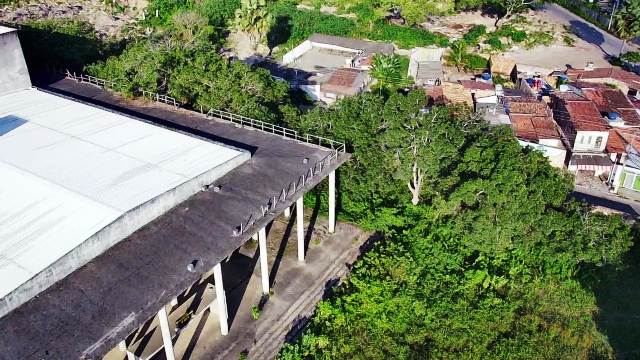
345,81
582,113
630,79
613,100
72,172
367,47
477,85
531,120
117,291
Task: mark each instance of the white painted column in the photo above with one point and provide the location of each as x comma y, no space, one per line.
332,201
287,212
300,227
221,299
264,266
254,236
166,333
123,347
617,177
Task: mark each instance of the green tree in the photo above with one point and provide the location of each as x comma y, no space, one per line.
627,22
387,70
510,7
253,18
457,54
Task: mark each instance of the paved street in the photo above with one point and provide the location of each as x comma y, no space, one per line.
609,44
607,200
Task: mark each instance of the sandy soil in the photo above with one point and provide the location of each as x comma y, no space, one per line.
556,57
103,17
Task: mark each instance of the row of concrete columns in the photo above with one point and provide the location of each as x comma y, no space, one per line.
261,236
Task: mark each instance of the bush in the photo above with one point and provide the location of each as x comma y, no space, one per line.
472,37
568,40
495,43
631,56
518,36
475,62
539,38
294,26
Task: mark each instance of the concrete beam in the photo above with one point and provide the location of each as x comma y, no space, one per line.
332,201
123,347
221,299
166,333
264,267
300,227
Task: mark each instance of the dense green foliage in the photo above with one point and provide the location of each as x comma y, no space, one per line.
487,265
472,37
631,56
292,26
182,61
218,12
61,44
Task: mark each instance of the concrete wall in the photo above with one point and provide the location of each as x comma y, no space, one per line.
586,141
14,75
115,232
296,52
555,155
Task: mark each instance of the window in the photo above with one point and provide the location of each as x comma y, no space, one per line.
582,139
598,141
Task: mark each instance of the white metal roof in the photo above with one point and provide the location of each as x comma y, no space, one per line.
68,169
4,29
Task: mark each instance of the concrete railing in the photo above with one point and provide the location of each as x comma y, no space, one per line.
293,189
241,120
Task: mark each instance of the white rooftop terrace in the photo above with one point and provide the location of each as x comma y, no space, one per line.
77,179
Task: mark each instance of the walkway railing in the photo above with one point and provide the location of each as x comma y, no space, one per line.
294,187
219,114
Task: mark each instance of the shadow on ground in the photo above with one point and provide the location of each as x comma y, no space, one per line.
618,298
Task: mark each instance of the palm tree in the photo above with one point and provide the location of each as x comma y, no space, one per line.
254,19
627,22
457,54
386,69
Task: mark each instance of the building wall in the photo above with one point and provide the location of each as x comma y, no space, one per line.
296,52
14,75
590,141
556,155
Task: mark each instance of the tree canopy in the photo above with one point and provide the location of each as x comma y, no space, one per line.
487,264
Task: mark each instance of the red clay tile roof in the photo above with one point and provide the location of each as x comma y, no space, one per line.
476,85
634,101
583,114
615,143
527,106
343,81
632,80
531,120
435,94
613,100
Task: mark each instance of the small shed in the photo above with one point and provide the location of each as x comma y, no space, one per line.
425,65
455,93
503,66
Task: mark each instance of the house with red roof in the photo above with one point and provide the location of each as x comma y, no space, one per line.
533,125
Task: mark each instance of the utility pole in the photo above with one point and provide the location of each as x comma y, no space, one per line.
613,10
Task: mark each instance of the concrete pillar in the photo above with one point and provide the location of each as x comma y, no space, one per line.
300,227
254,236
617,177
221,299
264,266
287,212
166,333
123,347
332,201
